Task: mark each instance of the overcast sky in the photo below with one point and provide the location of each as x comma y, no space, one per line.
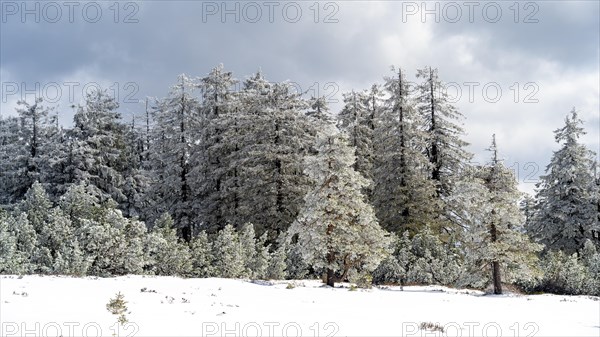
544,56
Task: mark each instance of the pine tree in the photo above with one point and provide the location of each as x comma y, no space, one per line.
267,140
176,119
495,242
247,239
10,259
25,148
213,175
337,230
201,254
99,145
26,241
227,253
356,119
59,245
567,195
445,149
277,263
404,195
12,172
167,255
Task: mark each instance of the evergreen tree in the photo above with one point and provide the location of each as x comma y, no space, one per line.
247,239
99,142
356,119
201,254
59,247
277,263
445,149
337,230
567,195
265,183
26,241
167,255
495,243
10,259
227,253
213,174
176,119
25,149
404,195
13,175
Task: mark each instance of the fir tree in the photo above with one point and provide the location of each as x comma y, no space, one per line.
213,174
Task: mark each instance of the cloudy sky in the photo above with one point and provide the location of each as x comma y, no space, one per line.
515,69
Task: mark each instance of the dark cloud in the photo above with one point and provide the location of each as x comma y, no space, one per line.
559,53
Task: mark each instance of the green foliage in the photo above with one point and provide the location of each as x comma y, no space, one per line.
118,307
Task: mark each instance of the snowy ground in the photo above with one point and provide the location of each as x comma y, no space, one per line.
168,306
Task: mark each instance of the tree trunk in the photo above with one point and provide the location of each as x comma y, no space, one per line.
497,278
330,278
495,264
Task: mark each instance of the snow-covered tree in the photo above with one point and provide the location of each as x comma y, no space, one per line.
247,238
277,263
227,253
445,149
99,143
591,259
10,259
167,256
201,255
176,118
336,229
356,119
496,247
267,141
211,164
567,195
59,249
404,196
24,148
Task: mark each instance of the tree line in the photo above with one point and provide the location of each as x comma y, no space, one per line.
383,191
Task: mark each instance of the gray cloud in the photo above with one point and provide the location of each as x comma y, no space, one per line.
559,54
